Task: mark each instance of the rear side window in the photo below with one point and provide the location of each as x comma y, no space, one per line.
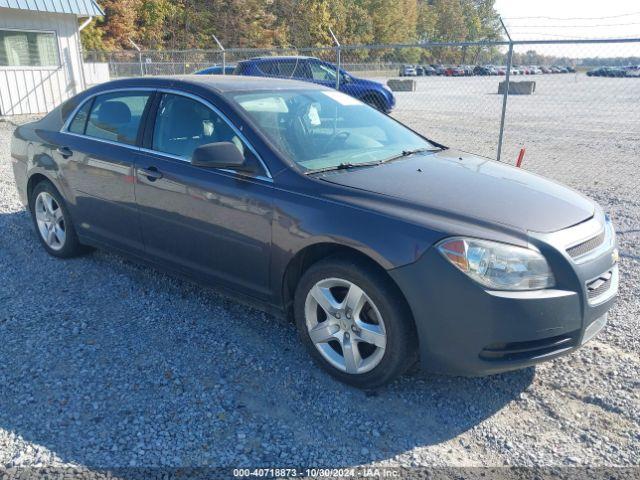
79,122
293,69
116,116
269,67
183,124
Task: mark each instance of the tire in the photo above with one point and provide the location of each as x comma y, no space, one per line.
67,244
382,310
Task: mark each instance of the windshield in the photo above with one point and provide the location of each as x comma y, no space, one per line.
323,129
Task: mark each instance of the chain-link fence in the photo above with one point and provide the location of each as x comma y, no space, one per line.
560,98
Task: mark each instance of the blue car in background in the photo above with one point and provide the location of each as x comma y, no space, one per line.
311,69
217,70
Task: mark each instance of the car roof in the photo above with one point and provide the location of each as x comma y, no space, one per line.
281,57
220,84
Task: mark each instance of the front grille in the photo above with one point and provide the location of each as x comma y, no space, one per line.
529,350
600,285
586,246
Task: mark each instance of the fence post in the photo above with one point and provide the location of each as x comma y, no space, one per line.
224,55
139,56
338,59
505,94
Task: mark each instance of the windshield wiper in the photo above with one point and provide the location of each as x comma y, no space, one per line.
406,153
349,165
344,166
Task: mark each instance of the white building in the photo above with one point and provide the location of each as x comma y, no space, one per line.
40,55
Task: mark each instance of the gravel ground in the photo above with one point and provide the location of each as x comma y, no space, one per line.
105,363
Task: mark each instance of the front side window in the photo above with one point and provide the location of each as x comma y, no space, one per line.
320,129
28,49
183,124
116,116
322,72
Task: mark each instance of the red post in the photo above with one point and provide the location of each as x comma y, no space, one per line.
520,157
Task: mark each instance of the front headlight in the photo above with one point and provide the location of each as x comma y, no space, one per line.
498,266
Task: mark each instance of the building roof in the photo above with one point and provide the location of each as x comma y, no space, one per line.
81,8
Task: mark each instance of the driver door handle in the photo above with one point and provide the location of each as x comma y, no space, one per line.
152,173
66,152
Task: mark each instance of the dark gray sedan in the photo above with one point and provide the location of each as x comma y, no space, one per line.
384,246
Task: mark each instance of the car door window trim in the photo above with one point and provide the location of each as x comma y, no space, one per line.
224,118
138,148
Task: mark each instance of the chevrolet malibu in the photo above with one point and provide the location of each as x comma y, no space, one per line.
385,247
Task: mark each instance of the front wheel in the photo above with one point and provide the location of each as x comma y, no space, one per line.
354,322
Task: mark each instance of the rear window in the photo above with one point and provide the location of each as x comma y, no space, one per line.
79,122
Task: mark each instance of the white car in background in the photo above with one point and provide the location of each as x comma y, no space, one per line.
408,71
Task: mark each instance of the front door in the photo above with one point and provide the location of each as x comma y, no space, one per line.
214,223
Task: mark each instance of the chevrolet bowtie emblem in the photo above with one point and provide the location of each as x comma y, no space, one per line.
615,255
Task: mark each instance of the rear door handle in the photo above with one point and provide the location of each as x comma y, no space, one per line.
66,152
152,173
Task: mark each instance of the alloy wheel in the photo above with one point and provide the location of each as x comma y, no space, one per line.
345,325
50,220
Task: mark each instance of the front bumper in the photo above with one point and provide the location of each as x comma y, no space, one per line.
465,329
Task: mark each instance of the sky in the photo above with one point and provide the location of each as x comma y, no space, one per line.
569,19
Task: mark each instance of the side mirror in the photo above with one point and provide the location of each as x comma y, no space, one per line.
221,155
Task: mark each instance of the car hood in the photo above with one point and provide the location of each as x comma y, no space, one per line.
363,82
463,185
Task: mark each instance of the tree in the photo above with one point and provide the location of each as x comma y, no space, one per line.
190,24
119,23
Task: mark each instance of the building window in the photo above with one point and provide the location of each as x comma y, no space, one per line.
28,49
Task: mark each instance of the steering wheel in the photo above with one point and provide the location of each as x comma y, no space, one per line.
342,136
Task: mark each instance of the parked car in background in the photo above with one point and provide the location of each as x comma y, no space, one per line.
314,70
546,69
440,69
484,70
217,70
298,198
597,72
408,71
613,72
632,71
535,70
454,71
426,70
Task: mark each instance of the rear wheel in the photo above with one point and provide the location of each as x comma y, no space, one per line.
354,323
53,223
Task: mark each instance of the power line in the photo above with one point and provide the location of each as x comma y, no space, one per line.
577,26
572,37
573,18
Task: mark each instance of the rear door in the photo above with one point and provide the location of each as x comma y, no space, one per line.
97,153
213,223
